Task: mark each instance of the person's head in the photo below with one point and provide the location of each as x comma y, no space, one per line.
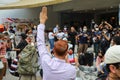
70,52
115,40
84,28
28,31
104,30
112,60
29,38
117,33
106,26
11,27
100,54
97,28
72,29
65,29
1,36
57,25
23,36
60,49
6,35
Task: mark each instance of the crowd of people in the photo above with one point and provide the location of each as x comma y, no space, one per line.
11,42
60,60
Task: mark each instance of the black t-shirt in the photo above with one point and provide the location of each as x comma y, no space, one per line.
72,36
21,46
12,31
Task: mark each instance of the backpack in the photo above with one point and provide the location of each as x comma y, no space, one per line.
82,59
13,67
86,59
28,61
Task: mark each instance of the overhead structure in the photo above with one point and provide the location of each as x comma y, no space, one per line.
13,4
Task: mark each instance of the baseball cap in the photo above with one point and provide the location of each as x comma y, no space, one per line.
112,55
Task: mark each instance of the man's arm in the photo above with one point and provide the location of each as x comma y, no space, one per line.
40,36
41,39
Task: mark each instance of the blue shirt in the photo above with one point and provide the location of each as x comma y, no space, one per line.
83,39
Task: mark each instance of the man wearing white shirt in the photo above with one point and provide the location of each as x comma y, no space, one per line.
60,35
51,39
56,29
54,68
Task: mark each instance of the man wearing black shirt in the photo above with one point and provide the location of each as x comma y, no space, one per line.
72,37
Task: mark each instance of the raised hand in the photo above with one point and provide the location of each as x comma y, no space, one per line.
43,15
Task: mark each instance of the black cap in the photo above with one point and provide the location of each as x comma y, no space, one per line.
11,27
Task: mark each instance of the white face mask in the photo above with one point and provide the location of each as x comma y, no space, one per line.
105,32
35,27
84,29
65,29
97,29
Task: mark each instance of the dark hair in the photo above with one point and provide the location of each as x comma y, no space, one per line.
117,65
116,40
11,26
26,31
100,51
104,24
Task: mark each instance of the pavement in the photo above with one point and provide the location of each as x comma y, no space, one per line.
11,77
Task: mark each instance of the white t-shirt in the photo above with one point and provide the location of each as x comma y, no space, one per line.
50,35
60,35
55,30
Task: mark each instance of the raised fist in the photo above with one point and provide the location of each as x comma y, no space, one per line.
43,15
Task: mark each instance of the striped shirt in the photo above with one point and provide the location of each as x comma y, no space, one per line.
3,51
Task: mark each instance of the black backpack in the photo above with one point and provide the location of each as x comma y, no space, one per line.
86,59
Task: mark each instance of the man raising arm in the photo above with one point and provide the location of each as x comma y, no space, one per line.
54,68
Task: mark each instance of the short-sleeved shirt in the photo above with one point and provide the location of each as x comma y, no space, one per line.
72,36
50,35
83,39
